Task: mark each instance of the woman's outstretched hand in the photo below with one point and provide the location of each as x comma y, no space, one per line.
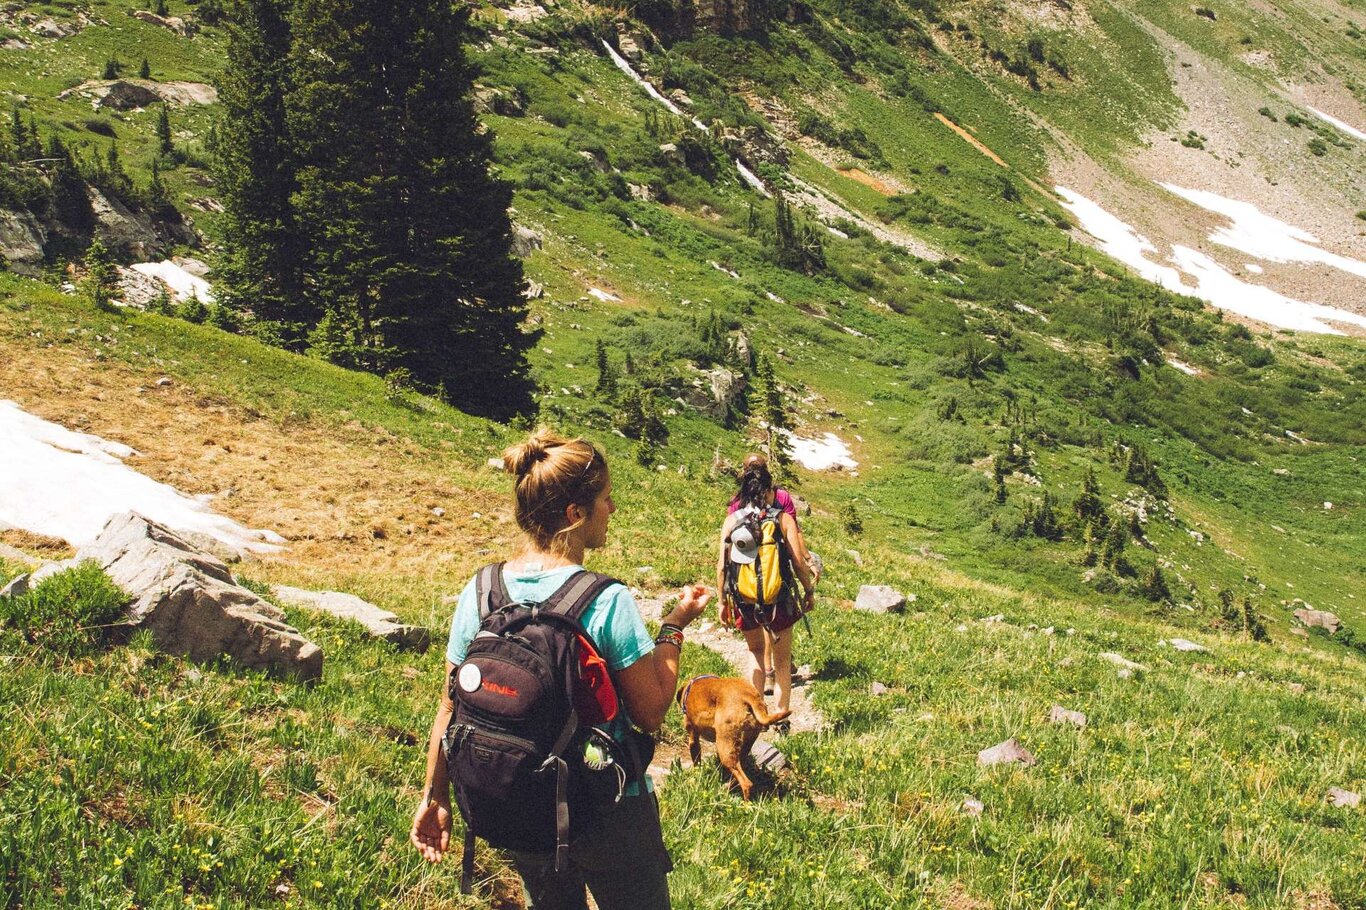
431,833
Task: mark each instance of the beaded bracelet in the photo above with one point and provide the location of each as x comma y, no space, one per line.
670,634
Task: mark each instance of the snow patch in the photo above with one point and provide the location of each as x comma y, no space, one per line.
820,454
1257,234
1183,367
67,484
1254,268
1345,127
604,296
182,283
1213,283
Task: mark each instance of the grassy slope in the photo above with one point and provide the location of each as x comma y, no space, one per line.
283,772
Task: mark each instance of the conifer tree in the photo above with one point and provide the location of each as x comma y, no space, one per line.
607,377
101,277
70,201
774,414
261,269
145,70
164,143
409,233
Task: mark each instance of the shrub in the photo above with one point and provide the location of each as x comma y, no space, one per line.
1266,112
1206,13
65,616
1318,147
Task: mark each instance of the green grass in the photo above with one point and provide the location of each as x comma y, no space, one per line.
132,777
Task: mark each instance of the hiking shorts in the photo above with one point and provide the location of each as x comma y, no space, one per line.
623,861
785,616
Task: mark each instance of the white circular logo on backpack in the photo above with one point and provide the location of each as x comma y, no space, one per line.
470,678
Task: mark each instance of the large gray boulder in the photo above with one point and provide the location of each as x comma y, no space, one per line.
524,241
879,599
377,622
189,601
1321,619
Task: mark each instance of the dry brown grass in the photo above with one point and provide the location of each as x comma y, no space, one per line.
352,500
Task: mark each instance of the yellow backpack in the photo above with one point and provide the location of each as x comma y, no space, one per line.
761,584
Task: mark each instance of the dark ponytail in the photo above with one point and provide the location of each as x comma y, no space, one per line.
755,483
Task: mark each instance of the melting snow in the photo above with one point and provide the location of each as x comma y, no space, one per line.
820,454
1213,283
604,296
1183,367
1345,127
1254,268
68,484
1262,236
622,64
177,279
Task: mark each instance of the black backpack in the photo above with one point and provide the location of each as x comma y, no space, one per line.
529,771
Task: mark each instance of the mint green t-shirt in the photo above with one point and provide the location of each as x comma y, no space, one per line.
612,620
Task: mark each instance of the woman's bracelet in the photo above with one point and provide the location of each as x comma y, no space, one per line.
670,634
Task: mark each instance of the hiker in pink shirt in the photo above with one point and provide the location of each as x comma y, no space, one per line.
783,500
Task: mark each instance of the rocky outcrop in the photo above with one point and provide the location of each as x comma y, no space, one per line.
489,100
754,146
377,622
171,23
190,603
723,17
132,233
713,393
127,96
22,238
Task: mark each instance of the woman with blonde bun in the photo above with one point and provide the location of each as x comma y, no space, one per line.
563,506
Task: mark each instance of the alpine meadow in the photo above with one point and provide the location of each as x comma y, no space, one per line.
1050,314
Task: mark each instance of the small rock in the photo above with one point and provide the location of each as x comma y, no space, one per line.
1182,644
1060,715
1343,799
496,464
877,688
18,586
438,511
1008,752
856,557
1047,630
973,808
524,241
163,382
1069,632
960,628
766,756
1328,506
1120,661
997,617
1297,688
1125,673
879,599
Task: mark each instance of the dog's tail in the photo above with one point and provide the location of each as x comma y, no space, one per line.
760,710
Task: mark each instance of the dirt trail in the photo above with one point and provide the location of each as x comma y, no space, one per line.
806,718
971,139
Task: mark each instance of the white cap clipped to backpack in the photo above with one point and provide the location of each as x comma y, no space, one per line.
743,546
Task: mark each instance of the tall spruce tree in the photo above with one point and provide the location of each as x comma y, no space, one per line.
409,233
262,267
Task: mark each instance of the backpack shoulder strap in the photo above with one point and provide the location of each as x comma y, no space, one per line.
490,590
572,598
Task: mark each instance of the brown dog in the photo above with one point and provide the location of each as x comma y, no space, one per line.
729,713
